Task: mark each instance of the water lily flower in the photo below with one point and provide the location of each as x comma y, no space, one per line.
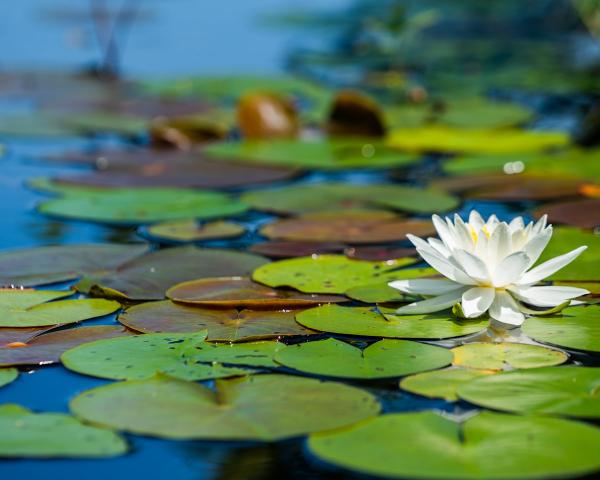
488,268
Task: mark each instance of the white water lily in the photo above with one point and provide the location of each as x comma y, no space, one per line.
488,268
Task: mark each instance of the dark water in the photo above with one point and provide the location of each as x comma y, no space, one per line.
180,37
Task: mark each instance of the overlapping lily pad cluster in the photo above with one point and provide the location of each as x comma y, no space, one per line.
303,299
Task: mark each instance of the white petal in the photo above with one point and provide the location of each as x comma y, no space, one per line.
434,304
491,223
472,265
540,224
417,241
548,268
506,310
510,269
475,220
443,232
499,244
534,247
516,223
547,296
476,301
439,246
463,234
425,286
444,266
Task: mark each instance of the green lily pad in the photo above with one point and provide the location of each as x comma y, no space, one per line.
259,407
489,141
34,126
45,435
31,308
139,205
489,445
185,231
150,276
576,328
8,375
46,349
320,154
385,358
223,325
506,356
571,391
142,356
30,267
318,197
565,239
328,273
382,292
441,383
368,322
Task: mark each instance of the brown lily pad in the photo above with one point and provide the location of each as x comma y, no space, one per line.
243,292
186,231
583,213
21,335
48,348
58,263
223,325
353,227
379,253
511,187
150,276
353,113
267,115
285,249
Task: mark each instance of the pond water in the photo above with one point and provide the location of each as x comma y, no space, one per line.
177,38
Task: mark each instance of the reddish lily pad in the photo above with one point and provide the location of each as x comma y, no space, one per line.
57,263
243,292
583,213
378,253
225,325
284,249
10,335
352,226
186,231
49,347
149,276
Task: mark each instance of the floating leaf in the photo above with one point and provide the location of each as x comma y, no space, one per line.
243,292
579,213
294,249
8,375
441,383
148,277
506,356
139,205
576,328
50,264
490,141
349,226
222,325
48,348
318,197
29,308
186,231
327,273
385,358
142,356
101,122
45,435
21,334
375,253
260,407
34,126
571,391
368,322
336,154
565,239
489,445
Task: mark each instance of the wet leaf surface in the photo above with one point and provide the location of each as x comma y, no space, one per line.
240,292
284,249
260,407
369,322
47,435
441,383
150,276
187,231
8,375
225,325
570,391
583,213
383,359
143,356
21,334
426,444
56,263
48,348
